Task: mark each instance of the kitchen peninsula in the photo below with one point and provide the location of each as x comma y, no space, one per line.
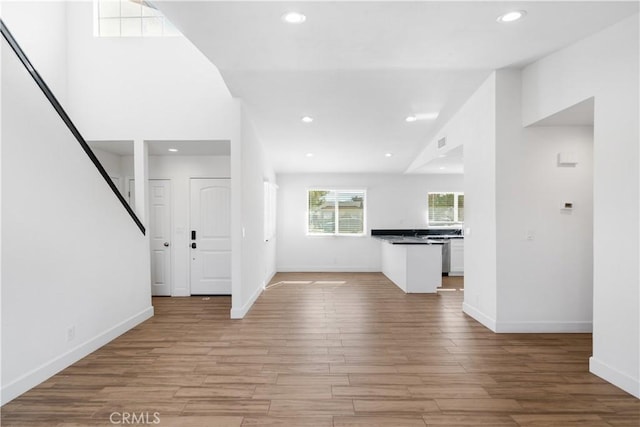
412,259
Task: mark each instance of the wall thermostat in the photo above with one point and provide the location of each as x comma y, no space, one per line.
567,158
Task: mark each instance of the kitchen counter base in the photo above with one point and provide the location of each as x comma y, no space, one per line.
413,268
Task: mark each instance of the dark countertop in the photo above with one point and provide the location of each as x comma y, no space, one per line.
409,240
416,236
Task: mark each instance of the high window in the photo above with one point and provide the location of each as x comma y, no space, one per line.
130,18
336,212
445,208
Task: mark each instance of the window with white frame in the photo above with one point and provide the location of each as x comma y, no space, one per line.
336,212
130,18
445,209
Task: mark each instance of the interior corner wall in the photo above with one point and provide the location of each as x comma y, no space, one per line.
474,127
112,164
258,256
63,231
392,201
544,252
605,66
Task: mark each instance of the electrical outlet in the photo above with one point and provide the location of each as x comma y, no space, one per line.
71,333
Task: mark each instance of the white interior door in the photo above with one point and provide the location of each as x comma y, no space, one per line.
160,236
210,236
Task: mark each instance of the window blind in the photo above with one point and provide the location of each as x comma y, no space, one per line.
340,212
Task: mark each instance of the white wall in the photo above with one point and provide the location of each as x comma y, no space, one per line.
116,166
605,66
180,169
544,253
72,256
473,127
393,201
46,48
155,88
550,278
258,256
109,161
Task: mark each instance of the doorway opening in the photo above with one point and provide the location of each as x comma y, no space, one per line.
173,167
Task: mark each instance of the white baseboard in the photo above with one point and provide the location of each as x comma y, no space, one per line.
239,313
479,316
615,377
545,327
269,278
49,369
328,269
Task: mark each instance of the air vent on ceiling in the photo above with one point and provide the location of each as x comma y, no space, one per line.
442,142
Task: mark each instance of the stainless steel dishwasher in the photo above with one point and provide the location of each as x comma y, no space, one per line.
446,256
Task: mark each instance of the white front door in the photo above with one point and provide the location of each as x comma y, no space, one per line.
210,236
160,236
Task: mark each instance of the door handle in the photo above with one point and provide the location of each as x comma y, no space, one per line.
193,245
166,244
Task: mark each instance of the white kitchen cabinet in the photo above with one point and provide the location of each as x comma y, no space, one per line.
456,266
413,268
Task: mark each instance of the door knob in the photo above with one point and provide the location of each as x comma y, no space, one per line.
166,244
193,245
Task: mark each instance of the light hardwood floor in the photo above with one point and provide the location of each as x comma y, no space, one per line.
330,350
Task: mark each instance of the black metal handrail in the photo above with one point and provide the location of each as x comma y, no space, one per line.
67,121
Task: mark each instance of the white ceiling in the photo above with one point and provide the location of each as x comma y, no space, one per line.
161,148
189,148
359,68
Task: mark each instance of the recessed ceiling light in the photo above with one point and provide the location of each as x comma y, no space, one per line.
442,168
388,154
173,150
442,155
422,116
294,18
307,119
309,154
427,116
512,16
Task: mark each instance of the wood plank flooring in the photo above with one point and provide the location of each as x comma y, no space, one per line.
329,350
